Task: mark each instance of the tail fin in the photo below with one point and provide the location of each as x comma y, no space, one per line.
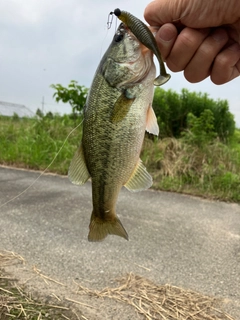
99,229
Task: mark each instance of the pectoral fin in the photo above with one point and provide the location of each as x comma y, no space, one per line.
140,179
152,125
121,107
78,172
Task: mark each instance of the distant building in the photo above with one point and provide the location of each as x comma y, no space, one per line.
8,109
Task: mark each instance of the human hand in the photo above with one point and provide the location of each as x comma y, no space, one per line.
200,37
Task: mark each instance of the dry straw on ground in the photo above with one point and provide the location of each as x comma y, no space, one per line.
7,257
161,302
17,303
151,301
174,157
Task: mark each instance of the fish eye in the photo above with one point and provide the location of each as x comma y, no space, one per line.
118,37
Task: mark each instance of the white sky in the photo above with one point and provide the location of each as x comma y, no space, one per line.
46,42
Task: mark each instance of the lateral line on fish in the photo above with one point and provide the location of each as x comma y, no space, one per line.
42,173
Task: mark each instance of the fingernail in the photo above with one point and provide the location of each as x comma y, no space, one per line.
166,34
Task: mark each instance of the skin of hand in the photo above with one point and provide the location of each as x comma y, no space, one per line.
202,38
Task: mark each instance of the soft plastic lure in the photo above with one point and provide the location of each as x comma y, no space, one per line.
145,36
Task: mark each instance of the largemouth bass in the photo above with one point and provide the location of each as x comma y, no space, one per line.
117,112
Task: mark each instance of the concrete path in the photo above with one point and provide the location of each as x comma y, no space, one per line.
176,239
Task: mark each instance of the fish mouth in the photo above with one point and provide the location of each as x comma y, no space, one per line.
139,58
124,30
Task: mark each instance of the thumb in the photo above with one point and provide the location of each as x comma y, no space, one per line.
192,14
160,12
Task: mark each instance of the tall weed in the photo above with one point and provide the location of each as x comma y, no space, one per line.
210,170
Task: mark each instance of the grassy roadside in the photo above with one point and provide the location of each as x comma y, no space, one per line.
33,143
209,169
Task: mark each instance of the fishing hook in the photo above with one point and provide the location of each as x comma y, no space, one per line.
110,20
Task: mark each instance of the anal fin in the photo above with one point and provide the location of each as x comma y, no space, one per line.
140,179
78,172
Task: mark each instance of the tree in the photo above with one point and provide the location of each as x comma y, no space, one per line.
74,94
172,110
39,113
200,129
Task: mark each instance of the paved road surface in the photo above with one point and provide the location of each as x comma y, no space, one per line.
176,239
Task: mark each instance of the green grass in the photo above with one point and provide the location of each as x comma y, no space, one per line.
210,170
33,143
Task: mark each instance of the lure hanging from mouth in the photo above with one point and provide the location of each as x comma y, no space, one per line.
145,36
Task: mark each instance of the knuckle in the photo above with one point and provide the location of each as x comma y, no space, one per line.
222,61
187,39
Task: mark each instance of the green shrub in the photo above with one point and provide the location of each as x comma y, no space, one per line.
200,129
172,110
74,94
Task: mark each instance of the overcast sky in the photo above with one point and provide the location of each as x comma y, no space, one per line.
46,42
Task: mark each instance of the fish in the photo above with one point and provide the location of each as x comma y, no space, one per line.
144,34
117,113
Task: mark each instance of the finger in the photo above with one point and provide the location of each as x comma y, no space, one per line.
194,14
226,65
153,12
165,38
185,47
200,65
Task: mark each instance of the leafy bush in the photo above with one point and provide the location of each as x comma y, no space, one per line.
200,129
15,117
39,113
74,94
172,110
